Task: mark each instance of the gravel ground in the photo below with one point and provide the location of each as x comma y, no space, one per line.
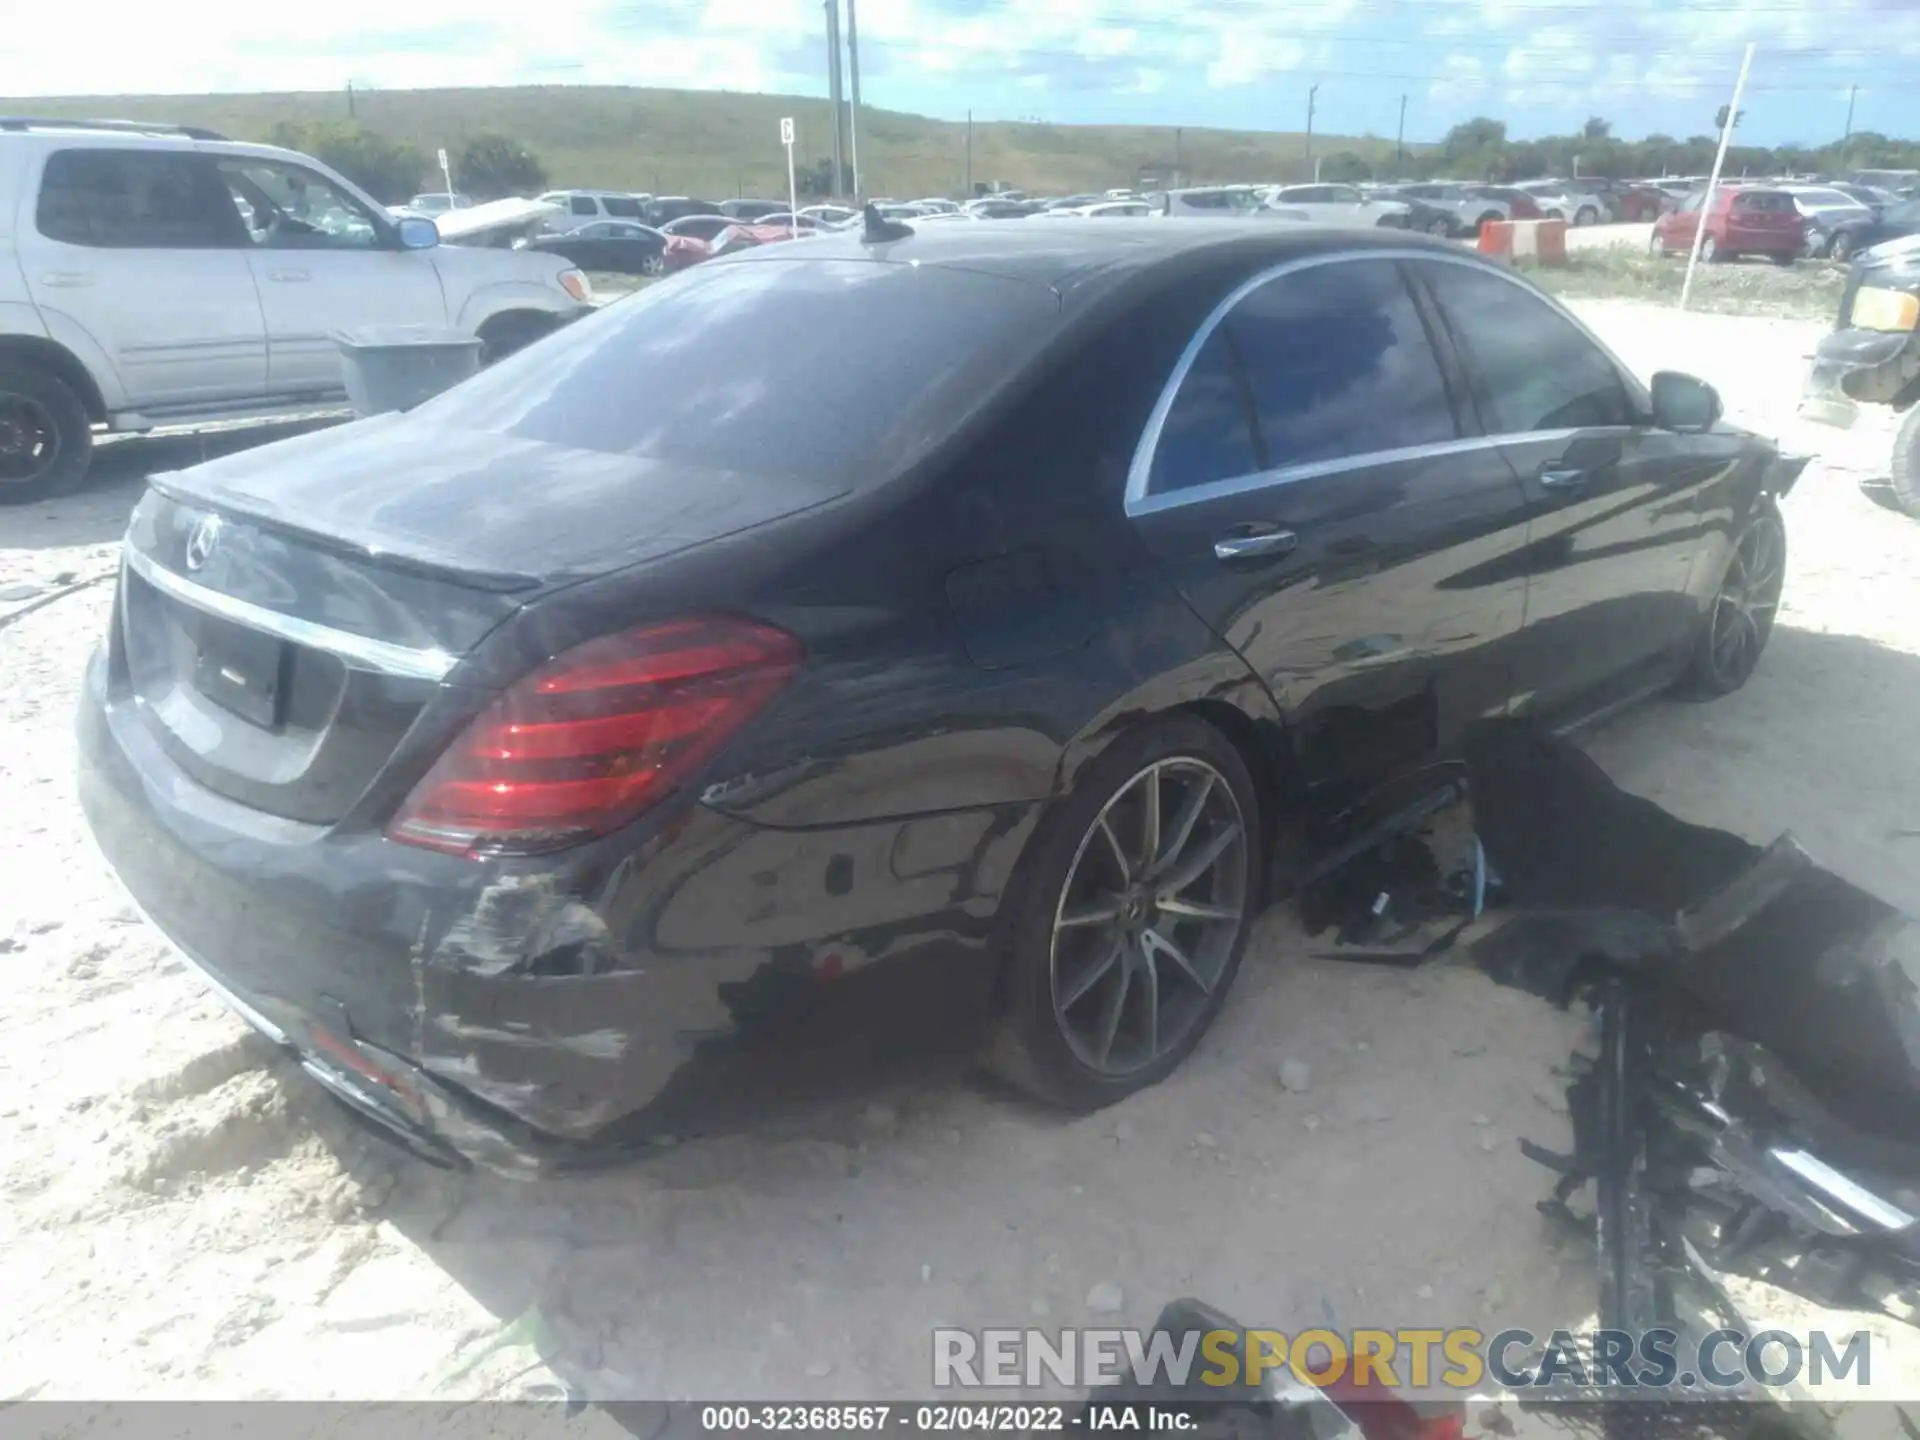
186,1216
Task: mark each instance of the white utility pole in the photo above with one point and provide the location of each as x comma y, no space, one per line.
793,192
853,85
1713,180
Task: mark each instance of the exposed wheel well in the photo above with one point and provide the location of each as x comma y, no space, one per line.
36,350
502,334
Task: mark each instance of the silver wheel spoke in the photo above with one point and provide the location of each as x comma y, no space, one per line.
1096,972
1150,823
1154,943
1119,855
1198,910
1150,976
1101,912
1110,1014
1192,867
1184,822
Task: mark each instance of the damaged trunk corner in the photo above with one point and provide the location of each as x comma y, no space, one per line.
523,1005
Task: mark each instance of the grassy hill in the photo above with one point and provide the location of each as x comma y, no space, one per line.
719,143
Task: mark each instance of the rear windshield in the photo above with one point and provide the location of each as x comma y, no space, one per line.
1771,201
812,368
621,205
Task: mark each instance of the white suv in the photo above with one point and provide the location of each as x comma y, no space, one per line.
154,275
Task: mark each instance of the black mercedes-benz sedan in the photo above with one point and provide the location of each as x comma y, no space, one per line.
894,645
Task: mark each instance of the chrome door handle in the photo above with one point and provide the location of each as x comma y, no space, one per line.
288,275
1246,547
68,279
1563,479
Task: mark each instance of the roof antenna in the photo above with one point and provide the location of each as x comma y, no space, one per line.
877,227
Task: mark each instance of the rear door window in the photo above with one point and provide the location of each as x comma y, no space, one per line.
1208,433
136,199
583,205
1534,369
1770,202
621,205
1339,364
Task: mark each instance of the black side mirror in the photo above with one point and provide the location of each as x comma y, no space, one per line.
1683,403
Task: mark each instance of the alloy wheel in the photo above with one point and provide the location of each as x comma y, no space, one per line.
29,439
1749,596
1439,227
1150,914
653,265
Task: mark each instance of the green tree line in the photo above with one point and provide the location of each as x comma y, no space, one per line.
486,166
1479,149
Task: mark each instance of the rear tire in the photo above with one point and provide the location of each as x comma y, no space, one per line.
1441,227
1656,247
46,437
1710,252
1842,247
1741,616
1095,952
1490,218
1586,215
1905,475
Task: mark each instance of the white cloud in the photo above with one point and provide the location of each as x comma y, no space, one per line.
1462,77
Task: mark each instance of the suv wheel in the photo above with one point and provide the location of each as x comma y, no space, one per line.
1131,916
504,334
46,440
1906,463
1440,226
1586,215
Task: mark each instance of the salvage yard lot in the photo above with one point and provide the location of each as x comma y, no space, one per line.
186,1215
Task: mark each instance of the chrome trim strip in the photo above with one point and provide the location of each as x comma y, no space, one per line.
357,650
1288,474
1139,502
1851,1193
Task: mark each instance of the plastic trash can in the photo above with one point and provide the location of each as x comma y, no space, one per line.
395,367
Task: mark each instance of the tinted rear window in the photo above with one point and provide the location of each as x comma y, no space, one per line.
812,368
623,207
1771,201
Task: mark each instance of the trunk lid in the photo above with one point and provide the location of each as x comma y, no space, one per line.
287,613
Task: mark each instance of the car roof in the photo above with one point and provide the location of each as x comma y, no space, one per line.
1087,256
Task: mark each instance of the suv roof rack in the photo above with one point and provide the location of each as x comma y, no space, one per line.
126,127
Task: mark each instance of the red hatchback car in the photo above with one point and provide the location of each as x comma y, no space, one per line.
1743,221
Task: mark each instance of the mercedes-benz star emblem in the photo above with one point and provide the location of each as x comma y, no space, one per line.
200,543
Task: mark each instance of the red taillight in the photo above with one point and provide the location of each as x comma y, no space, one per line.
596,736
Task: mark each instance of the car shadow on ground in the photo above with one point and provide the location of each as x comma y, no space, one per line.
97,513
712,1258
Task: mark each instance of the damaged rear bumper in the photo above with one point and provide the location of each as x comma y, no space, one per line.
558,1011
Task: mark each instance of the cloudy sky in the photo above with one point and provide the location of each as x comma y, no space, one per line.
1542,65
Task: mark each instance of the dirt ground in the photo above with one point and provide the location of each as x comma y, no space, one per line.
185,1215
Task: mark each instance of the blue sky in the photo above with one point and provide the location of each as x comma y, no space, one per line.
1541,65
